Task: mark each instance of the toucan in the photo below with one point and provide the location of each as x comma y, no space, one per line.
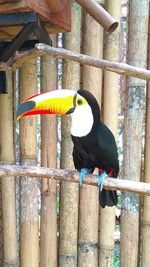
94,143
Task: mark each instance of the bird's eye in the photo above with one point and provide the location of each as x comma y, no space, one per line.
79,101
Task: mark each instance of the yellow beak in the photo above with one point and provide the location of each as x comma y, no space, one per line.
52,102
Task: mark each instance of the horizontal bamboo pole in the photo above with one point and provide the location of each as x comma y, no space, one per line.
42,49
73,176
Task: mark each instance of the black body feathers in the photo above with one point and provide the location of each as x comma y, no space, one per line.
97,150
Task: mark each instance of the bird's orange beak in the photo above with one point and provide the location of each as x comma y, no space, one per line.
53,102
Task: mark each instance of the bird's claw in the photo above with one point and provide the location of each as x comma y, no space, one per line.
82,175
101,180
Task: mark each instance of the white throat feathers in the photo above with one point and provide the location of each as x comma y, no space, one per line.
82,121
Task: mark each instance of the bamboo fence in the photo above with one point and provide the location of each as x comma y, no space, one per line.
67,228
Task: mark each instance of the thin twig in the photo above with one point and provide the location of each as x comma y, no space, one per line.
73,176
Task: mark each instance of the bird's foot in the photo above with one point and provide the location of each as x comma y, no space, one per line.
101,180
82,175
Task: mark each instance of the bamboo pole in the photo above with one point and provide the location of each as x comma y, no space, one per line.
137,55
99,14
92,77
43,49
48,233
89,206
29,221
8,186
146,204
1,226
110,118
69,192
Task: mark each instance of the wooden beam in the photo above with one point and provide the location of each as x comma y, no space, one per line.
73,176
56,6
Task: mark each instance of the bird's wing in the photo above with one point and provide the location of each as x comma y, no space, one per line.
78,161
80,156
107,145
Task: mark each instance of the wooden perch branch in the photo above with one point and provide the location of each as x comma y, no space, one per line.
73,176
42,49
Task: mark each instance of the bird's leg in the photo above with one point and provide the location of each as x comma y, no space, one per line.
82,175
102,176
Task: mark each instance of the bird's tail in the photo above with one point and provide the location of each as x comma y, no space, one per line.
108,198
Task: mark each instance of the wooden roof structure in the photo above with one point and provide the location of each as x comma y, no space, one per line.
54,14
21,19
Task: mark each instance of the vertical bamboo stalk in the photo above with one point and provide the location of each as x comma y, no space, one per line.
137,55
48,233
1,227
92,77
110,118
69,191
8,186
29,228
89,204
146,203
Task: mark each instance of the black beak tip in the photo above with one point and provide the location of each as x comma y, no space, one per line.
25,107
71,110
